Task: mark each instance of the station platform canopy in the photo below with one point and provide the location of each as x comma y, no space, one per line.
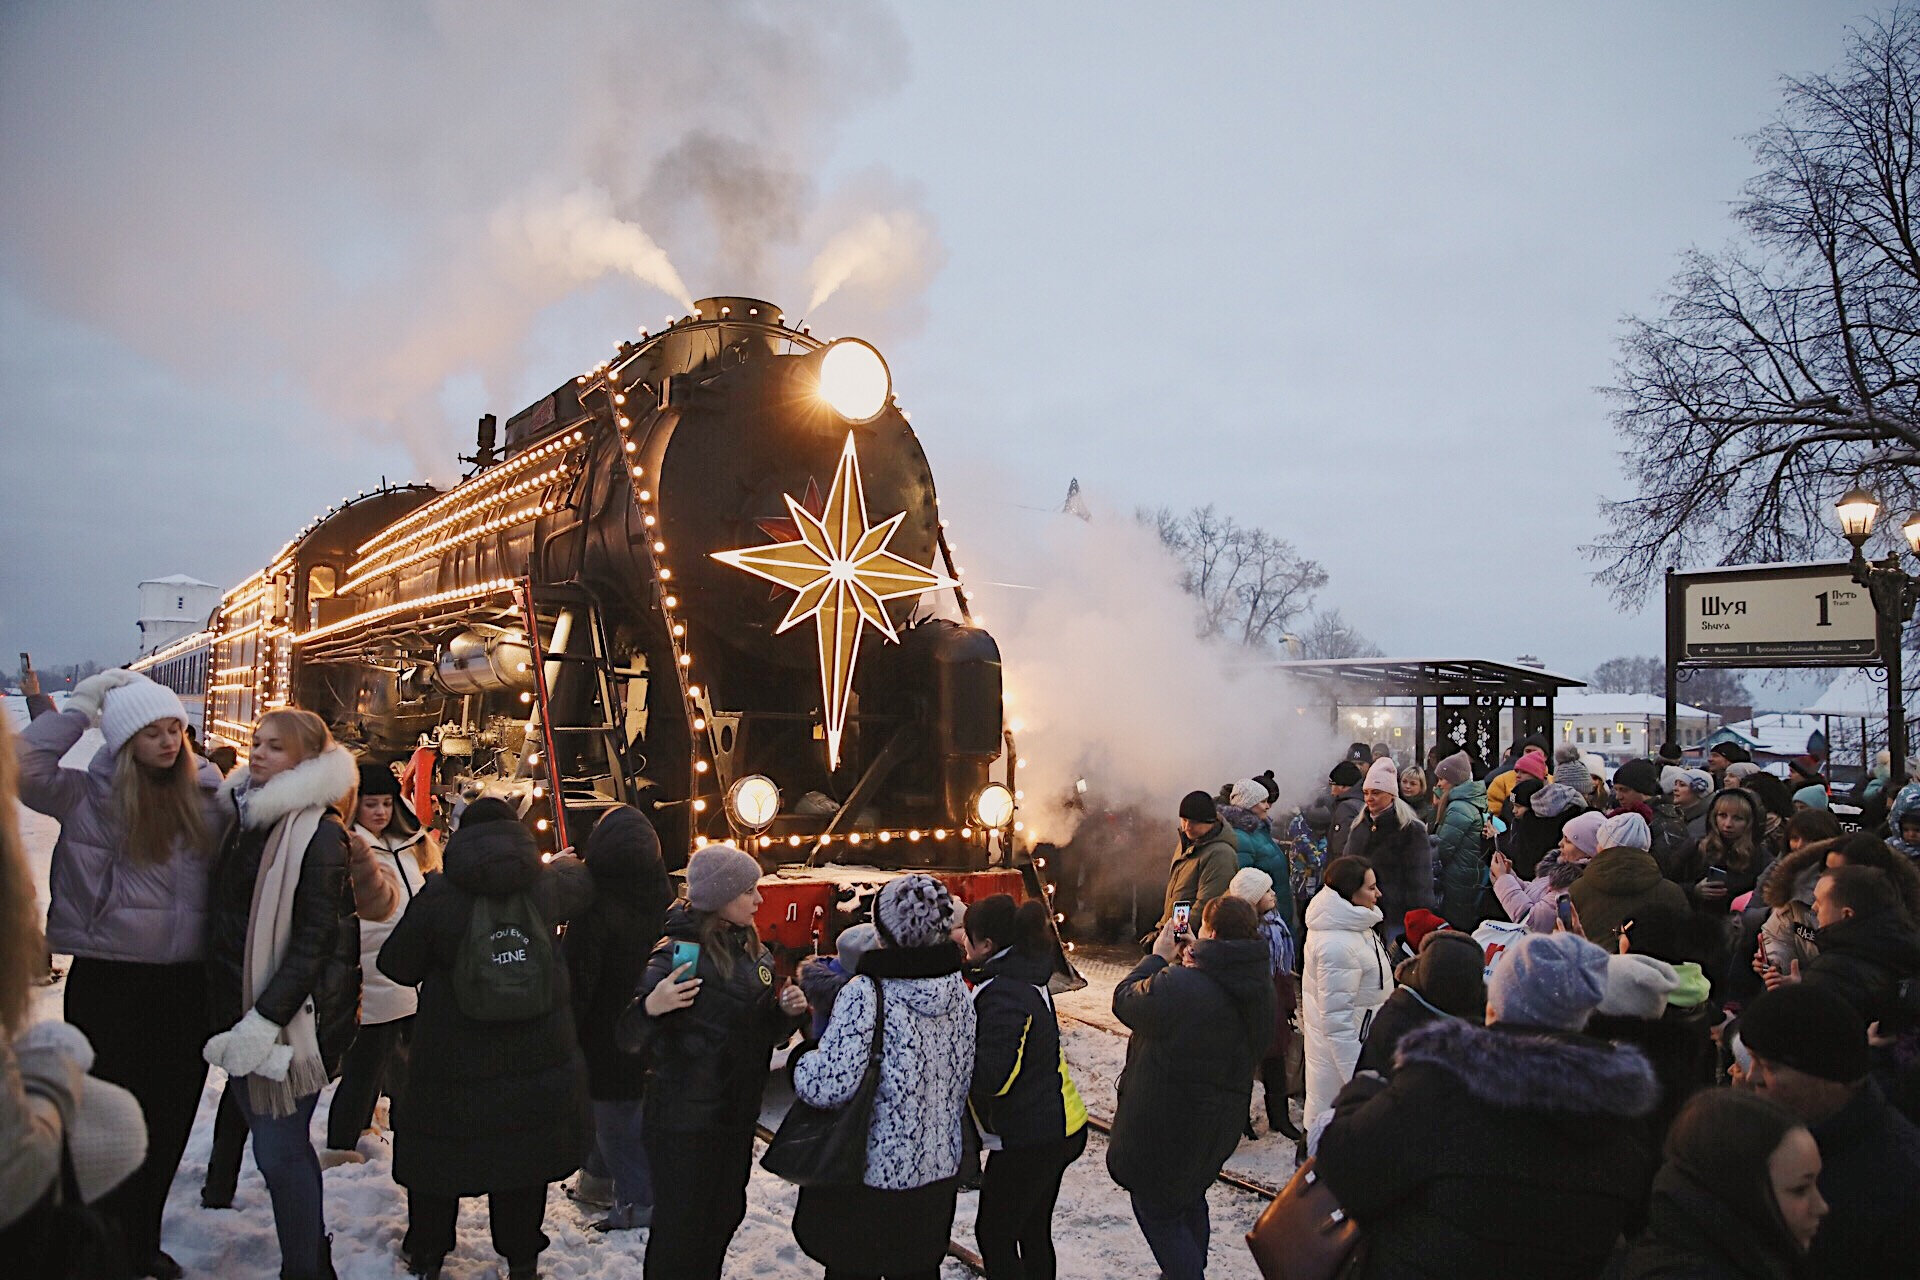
1469,695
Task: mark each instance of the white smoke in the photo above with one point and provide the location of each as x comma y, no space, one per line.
878,253
360,205
579,236
1106,681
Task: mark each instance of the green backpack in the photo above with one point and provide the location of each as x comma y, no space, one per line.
504,969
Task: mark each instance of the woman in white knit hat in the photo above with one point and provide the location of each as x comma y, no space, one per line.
128,890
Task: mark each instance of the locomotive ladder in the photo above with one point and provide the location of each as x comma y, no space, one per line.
576,610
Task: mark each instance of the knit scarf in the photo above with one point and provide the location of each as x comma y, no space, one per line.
269,928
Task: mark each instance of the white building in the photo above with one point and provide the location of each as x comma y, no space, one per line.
1623,726
172,607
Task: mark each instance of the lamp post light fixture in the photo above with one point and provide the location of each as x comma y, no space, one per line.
1894,592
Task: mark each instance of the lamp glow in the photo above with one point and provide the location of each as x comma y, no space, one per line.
1858,510
753,801
854,380
1911,531
993,805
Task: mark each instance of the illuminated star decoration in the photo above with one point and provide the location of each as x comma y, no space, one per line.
843,572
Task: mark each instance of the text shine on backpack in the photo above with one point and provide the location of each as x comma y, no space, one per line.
503,971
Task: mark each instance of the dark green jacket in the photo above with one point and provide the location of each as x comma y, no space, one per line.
1201,871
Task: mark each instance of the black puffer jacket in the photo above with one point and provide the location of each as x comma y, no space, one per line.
607,946
707,1063
1021,1090
322,959
1396,845
488,1106
1199,1032
1863,959
1494,1151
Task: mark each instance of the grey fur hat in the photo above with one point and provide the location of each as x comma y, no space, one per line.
914,911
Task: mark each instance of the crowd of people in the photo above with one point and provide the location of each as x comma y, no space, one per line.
294,924
1663,1023
1523,1020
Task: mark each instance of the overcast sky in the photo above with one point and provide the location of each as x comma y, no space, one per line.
1351,272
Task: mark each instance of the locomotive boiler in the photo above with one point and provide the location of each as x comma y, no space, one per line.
708,577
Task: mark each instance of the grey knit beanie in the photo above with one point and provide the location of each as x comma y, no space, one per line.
1454,770
1549,980
1573,773
717,874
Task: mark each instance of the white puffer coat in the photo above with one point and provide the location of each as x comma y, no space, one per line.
381,998
1347,977
924,1074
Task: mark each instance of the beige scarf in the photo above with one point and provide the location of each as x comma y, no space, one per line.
269,926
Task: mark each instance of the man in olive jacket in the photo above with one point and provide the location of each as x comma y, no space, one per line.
1205,863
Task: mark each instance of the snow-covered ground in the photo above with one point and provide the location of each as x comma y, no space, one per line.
366,1212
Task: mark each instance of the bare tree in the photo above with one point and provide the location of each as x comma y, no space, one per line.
1250,584
1330,636
1629,675
1708,687
1786,368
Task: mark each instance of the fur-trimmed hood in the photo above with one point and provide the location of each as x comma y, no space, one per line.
1533,1070
323,780
1791,878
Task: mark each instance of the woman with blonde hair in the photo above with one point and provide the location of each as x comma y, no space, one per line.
128,901
283,961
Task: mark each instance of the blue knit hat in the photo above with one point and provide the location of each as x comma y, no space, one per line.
1551,980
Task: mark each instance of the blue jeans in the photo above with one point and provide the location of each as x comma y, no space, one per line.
283,1149
616,1137
1177,1234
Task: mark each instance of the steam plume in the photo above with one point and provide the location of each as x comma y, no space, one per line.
579,235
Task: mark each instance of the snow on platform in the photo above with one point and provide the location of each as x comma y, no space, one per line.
366,1211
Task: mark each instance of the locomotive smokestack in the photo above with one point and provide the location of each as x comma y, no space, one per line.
737,309
483,447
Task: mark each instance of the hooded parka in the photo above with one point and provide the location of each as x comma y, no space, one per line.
488,1106
1201,869
607,946
1494,1151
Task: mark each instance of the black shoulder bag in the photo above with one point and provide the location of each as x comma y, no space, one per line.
820,1147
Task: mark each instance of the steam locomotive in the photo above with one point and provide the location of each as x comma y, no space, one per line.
703,578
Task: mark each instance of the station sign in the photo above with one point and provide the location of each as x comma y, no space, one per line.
1772,615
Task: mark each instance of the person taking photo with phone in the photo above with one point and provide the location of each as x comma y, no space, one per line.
707,1015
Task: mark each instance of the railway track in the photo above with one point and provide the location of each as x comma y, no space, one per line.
1103,1125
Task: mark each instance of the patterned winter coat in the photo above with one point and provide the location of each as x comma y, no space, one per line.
918,1110
103,904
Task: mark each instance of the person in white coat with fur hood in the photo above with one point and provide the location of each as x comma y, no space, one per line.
897,1224
1346,978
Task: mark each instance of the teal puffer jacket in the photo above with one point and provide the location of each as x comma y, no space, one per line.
1456,854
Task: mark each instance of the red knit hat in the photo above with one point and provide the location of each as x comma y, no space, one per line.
1420,922
1532,765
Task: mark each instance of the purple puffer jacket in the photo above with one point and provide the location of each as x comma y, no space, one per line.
105,905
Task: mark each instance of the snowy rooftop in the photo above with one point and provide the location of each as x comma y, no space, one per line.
1620,704
1854,694
1777,733
174,580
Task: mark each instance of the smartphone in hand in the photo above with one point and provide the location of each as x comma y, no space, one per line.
1182,917
686,953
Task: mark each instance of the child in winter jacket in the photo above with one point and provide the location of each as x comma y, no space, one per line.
822,977
1255,888
1032,1121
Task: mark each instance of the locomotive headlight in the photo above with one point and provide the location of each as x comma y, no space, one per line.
993,805
753,802
854,380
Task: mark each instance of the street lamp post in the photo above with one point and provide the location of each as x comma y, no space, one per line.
1894,593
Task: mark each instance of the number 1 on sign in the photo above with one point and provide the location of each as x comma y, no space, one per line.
1823,598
